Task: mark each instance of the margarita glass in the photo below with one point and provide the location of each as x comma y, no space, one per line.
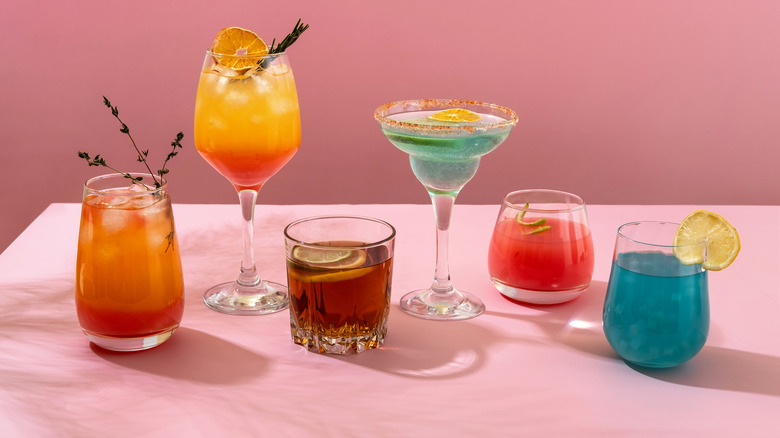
444,156
247,126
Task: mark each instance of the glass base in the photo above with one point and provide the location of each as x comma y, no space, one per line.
233,299
130,344
451,306
538,297
338,345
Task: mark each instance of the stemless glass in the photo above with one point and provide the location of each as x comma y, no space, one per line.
339,269
444,156
656,311
541,251
129,284
247,126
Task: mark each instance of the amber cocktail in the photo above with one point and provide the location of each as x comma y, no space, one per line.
129,284
339,270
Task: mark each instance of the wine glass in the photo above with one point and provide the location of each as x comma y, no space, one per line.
247,126
444,156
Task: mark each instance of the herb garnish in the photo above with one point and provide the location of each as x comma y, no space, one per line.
298,29
291,37
142,155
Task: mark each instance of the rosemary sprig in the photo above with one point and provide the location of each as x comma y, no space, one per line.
142,154
298,29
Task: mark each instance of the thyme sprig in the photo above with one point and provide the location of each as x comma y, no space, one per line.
142,154
298,29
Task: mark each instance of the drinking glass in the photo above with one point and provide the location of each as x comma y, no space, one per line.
656,311
339,270
444,156
247,126
129,284
541,251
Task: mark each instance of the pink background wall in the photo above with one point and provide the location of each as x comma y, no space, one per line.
620,101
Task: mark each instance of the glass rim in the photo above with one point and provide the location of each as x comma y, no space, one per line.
109,176
209,52
337,216
578,205
656,245
382,112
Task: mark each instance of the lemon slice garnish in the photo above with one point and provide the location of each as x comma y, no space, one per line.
456,115
234,42
720,237
336,258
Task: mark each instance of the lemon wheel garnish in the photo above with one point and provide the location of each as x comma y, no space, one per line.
456,115
237,41
720,237
329,258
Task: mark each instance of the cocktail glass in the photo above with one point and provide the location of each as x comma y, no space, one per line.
656,311
247,126
129,284
339,269
444,156
541,251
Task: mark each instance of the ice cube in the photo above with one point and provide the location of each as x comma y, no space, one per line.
261,84
237,96
224,71
137,188
284,106
143,201
114,220
114,200
278,69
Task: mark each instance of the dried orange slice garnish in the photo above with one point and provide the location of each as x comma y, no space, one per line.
235,42
456,115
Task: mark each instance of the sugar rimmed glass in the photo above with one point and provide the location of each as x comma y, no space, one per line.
444,156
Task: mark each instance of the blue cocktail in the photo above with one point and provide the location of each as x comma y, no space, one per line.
656,311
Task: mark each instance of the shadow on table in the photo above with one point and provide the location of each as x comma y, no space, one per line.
194,356
576,324
726,369
420,348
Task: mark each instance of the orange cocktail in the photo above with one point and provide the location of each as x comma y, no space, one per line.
247,124
129,284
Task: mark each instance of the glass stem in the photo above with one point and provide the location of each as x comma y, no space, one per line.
248,276
442,211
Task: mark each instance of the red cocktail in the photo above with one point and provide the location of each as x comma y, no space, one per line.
541,250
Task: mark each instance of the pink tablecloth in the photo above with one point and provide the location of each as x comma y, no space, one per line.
516,370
